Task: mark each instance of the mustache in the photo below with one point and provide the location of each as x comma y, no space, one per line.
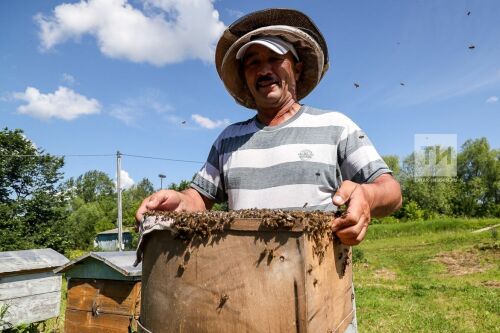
266,78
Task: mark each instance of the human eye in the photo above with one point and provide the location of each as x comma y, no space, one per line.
276,59
251,62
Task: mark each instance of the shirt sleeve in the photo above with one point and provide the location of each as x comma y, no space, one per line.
358,159
209,180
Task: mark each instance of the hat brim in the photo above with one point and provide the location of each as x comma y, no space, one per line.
293,27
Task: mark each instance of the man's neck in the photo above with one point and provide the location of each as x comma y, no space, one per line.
277,116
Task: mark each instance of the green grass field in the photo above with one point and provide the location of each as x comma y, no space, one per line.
432,276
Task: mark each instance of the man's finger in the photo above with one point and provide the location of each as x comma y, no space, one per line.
362,234
139,215
343,222
351,232
355,234
355,230
150,203
344,192
355,240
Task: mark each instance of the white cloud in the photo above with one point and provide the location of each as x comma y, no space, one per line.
125,180
165,31
64,103
68,79
209,123
131,110
492,99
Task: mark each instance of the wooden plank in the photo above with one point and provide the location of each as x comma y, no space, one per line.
84,322
26,260
103,296
28,284
230,285
328,288
33,308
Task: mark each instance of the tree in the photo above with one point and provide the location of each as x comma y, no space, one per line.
93,185
478,168
392,162
132,199
31,201
141,190
431,195
86,222
184,184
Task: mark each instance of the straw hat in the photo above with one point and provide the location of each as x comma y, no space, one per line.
292,26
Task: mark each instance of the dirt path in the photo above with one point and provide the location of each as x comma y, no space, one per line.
486,229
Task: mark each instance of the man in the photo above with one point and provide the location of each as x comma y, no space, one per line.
288,156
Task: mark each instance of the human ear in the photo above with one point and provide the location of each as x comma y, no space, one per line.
298,70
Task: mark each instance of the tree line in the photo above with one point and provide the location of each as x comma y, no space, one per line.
39,208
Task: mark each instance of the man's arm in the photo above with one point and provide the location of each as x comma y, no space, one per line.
188,200
379,198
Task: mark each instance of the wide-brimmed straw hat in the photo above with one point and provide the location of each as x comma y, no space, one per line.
292,26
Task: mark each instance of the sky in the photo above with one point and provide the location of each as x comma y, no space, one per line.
99,76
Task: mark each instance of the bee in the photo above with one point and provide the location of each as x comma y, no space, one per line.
223,299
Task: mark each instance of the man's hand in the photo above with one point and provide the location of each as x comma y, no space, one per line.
169,200
162,200
351,227
379,198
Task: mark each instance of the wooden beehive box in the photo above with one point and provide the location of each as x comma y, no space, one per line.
103,293
248,278
29,288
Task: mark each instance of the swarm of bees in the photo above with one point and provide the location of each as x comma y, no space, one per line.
203,225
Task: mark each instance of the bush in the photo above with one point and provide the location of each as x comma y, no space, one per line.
358,256
411,211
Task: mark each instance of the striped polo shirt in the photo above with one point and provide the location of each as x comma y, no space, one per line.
299,163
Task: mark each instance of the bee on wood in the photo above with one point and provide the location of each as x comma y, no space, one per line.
346,262
223,299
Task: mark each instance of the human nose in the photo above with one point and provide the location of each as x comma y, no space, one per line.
264,69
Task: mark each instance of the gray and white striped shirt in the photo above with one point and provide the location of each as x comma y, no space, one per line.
300,161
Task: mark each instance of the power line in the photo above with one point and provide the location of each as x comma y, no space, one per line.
87,155
162,158
62,155
108,155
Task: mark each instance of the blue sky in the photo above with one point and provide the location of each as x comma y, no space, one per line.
94,77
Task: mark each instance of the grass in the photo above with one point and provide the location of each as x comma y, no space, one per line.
433,276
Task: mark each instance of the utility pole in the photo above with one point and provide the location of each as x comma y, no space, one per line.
119,193
161,180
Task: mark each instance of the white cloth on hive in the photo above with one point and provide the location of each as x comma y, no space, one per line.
148,225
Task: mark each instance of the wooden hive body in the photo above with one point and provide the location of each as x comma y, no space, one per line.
104,293
29,289
245,279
